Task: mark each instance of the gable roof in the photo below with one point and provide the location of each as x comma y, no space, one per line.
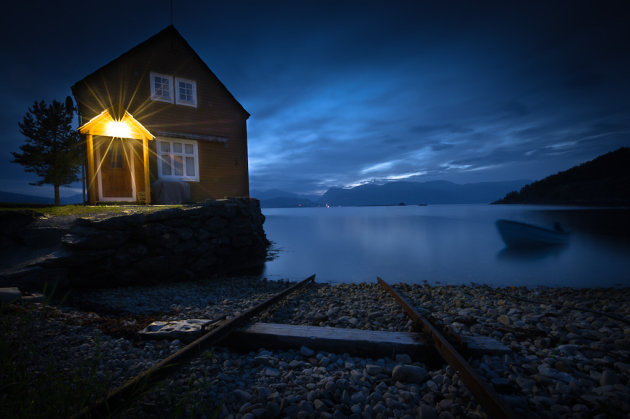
105,124
168,32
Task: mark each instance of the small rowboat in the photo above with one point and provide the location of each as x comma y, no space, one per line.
523,235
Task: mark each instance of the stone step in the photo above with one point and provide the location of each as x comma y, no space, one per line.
12,294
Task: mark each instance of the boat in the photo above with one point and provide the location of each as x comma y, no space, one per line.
516,234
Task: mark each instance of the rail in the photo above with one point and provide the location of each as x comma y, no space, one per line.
487,397
133,388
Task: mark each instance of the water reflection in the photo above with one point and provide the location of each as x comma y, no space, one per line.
450,244
525,254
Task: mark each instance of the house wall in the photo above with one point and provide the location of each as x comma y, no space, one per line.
124,84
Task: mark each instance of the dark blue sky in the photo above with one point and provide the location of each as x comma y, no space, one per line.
343,93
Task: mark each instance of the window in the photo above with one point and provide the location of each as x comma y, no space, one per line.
161,87
186,92
182,92
178,160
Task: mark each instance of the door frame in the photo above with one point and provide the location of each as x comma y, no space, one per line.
97,151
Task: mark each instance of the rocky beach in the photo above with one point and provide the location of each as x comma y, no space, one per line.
570,350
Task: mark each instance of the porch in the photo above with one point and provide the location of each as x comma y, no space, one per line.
117,159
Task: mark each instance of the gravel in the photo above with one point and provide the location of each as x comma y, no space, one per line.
564,362
201,299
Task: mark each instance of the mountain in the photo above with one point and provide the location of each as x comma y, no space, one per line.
286,202
436,192
11,197
270,193
15,198
276,198
604,180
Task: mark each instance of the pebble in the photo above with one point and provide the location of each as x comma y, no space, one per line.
307,351
271,372
242,394
608,378
373,369
427,412
563,363
409,373
403,358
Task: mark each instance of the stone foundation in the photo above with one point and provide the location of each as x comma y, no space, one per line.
178,244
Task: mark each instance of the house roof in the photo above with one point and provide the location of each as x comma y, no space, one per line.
167,32
105,124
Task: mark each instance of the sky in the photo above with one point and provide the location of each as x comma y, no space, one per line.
343,93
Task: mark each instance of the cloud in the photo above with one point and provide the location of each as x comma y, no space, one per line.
379,167
517,108
340,94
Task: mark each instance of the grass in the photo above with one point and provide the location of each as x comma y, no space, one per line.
32,385
85,210
192,405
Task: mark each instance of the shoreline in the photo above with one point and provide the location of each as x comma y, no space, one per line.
564,363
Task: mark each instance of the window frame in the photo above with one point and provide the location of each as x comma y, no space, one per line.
179,101
156,97
171,153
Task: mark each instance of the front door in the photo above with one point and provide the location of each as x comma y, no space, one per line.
116,181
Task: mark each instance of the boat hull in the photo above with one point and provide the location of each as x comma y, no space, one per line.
522,235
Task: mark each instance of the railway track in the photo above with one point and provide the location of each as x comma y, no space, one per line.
129,392
485,394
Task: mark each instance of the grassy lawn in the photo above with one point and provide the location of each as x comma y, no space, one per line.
33,386
86,210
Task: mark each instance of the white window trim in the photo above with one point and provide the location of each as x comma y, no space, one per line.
174,177
178,101
170,88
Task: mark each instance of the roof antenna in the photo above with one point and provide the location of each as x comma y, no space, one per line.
171,12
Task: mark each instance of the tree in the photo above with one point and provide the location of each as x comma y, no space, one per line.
52,148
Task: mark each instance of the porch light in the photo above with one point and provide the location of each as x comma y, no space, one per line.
118,129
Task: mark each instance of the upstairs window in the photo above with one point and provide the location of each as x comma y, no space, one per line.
178,160
186,92
161,87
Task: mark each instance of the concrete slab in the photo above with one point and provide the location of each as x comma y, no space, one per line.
10,294
35,297
185,330
353,341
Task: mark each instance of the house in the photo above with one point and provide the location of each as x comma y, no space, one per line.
158,125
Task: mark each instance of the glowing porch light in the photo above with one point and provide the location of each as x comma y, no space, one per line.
118,129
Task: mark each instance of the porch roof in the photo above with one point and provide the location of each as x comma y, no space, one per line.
127,127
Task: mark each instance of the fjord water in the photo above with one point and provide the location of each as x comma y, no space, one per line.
446,244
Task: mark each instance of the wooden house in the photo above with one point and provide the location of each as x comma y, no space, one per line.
158,115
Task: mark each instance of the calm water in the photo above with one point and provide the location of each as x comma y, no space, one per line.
446,244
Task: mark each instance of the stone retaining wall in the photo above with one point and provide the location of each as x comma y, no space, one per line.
177,244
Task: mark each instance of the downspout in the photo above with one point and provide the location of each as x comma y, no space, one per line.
80,119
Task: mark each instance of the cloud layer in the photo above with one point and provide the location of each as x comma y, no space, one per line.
344,93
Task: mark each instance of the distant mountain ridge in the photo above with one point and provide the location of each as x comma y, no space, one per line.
394,193
603,181
15,198
276,198
412,193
